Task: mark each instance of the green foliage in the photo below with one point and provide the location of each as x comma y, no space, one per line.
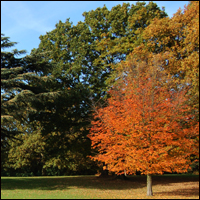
11,76
84,52
21,90
34,155
51,90
81,66
25,91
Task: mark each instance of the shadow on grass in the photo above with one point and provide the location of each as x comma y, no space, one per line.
94,182
186,192
63,183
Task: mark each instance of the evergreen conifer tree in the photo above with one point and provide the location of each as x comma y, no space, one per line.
22,89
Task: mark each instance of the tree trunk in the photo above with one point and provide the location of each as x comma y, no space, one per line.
43,169
104,172
149,185
43,172
122,176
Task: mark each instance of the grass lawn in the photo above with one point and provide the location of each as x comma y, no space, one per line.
93,187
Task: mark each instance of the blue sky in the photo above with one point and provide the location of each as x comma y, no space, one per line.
25,21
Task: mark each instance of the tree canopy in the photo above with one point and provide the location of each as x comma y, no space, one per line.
144,126
150,122
79,71
21,89
132,56
179,36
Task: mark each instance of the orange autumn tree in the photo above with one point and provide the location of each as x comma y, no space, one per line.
144,125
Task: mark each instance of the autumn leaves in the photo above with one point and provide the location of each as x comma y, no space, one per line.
144,124
141,128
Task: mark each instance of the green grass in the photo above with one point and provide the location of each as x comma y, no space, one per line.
93,187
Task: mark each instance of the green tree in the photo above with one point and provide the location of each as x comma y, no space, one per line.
22,89
26,155
26,90
72,61
35,155
85,52
83,63
10,68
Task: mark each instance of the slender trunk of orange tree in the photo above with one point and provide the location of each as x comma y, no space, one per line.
149,185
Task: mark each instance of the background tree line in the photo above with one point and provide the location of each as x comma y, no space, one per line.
48,97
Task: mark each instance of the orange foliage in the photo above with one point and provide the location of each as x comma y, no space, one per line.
145,124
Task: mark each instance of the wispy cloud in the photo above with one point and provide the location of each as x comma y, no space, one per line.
24,17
